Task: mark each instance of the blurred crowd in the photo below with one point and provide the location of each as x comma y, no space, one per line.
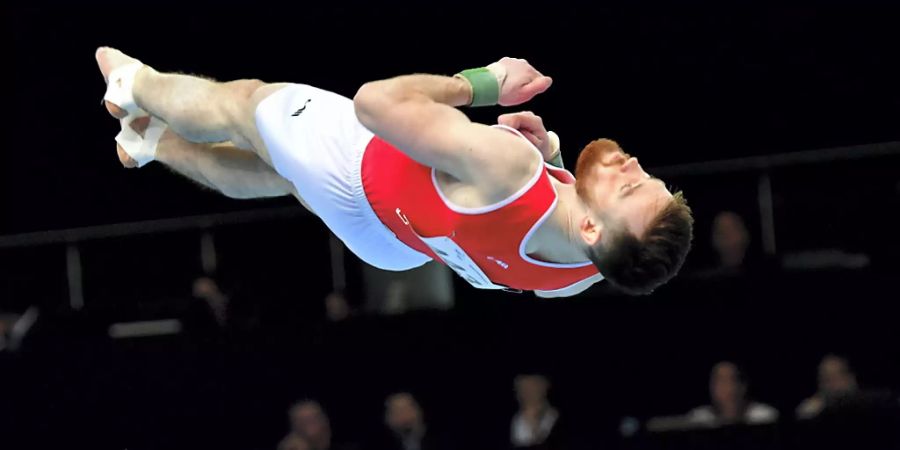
731,402
405,427
536,422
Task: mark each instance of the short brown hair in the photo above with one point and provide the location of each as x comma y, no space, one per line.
637,266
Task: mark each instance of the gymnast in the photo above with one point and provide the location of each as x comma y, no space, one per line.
403,177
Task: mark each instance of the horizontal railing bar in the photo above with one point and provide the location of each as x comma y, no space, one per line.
74,235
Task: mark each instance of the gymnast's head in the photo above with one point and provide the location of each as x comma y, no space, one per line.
635,230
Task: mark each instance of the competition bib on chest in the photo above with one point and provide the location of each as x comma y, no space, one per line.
455,258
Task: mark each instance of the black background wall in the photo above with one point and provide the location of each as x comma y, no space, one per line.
671,84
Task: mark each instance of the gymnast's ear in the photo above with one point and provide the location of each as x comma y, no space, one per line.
590,230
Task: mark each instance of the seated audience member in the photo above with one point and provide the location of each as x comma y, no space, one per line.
732,255
730,403
536,420
405,422
730,240
337,306
836,381
309,421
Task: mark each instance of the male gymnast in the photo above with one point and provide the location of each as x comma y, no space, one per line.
403,177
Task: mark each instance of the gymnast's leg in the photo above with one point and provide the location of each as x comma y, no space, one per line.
221,166
198,109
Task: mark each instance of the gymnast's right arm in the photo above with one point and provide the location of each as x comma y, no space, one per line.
418,115
234,172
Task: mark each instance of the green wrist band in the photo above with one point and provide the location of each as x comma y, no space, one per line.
485,87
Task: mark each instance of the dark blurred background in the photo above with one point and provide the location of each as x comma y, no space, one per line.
140,311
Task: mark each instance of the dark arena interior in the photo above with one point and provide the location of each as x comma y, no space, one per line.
142,310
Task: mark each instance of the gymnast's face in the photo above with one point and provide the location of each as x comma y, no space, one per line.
613,184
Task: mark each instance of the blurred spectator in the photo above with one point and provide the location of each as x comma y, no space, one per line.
730,403
836,381
406,424
732,255
309,421
337,308
536,419
730,239
293,442
403,416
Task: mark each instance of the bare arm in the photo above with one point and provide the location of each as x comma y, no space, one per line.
418,115
234,172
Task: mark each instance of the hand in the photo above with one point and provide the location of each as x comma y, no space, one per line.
532,127
519,82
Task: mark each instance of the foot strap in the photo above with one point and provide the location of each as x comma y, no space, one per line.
119,86
141,149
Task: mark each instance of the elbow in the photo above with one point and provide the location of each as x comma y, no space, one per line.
366,102
362,97
376,103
